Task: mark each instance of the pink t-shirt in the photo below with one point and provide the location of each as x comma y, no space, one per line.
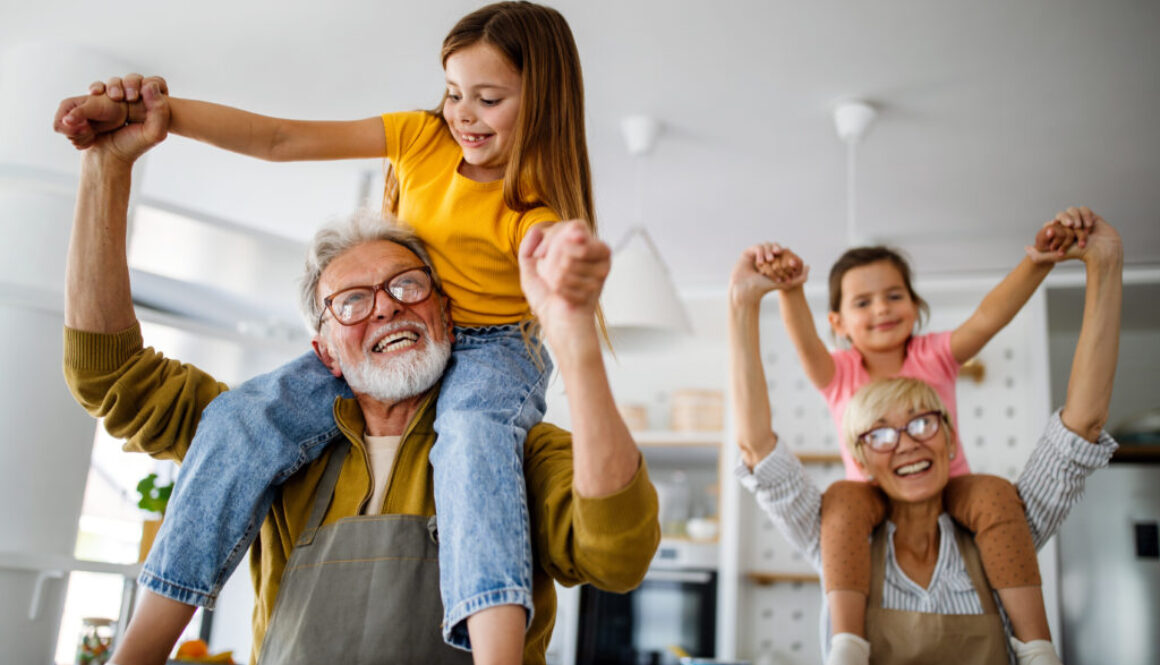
928,357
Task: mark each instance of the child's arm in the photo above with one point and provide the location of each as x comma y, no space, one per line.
1010,295
789,274
264,137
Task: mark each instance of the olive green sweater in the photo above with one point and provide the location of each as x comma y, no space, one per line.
155,403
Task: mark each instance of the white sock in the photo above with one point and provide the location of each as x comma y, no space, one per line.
1035,652
849,649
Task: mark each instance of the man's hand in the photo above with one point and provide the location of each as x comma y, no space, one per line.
132,140
562,270
107,108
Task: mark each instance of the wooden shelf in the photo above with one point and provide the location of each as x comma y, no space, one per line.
675,439
767,578
1130,453
817,457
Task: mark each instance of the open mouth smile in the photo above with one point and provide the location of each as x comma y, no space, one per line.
473,140
396,340
912,469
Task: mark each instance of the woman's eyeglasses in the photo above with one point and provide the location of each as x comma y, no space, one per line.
920,428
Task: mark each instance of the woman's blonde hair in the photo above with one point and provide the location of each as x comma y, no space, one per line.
874,399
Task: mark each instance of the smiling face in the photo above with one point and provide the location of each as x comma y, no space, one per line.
481,108
876,312
915,471
401,350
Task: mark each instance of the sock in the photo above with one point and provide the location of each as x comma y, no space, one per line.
1035,652
849,649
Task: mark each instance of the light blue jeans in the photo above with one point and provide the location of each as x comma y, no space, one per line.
253,438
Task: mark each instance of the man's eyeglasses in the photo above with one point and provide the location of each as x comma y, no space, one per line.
356,304
920,428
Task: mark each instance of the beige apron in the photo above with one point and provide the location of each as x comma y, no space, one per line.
899,637
361,591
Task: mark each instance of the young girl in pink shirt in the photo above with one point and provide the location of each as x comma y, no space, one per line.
874,307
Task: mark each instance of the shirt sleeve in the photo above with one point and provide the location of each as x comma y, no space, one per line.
526,221
151,401
933,351
1053,480
789,498
843,374
605,541
402,132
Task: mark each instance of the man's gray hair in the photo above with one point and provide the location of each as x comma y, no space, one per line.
340,236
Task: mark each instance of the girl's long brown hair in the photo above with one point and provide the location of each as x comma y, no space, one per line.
548,164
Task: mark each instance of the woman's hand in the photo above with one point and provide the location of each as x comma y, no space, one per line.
763,268
1103,245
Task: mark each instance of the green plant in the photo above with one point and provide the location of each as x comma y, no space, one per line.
154,497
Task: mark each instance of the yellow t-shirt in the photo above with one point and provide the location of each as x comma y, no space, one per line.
472,236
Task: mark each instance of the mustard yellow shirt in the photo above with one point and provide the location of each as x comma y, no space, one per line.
155,403
472,236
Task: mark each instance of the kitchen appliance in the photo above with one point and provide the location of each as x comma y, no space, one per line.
1110,565
676,605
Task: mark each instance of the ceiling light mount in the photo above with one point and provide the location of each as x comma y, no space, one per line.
640,133
852,119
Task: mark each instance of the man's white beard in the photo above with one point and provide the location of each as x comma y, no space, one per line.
395,379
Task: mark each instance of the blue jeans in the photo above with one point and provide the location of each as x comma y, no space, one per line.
253,438
493,393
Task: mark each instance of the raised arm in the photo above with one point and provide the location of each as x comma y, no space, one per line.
562,275
788,274
97,295
750,394
1089,388
1010,295
264,137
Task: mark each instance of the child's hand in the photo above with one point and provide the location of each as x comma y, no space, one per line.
763,268
1054,238
781,265
1063,236
82,119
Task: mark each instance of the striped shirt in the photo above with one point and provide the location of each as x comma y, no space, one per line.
1051,483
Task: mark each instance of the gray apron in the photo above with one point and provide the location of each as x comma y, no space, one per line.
900,636
361,591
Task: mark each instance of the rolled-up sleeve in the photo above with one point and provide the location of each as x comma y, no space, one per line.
789,498
152,402
605,541
1053,480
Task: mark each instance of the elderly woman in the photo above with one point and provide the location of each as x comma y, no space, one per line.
929,601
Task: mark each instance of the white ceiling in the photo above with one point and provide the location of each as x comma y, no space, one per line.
993,114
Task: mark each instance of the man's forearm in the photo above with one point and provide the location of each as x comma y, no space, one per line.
97,294
605,457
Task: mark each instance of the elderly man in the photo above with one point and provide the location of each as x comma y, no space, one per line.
340,574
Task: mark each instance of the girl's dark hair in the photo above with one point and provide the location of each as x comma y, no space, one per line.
864,256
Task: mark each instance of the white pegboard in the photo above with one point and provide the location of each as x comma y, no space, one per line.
1000,420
